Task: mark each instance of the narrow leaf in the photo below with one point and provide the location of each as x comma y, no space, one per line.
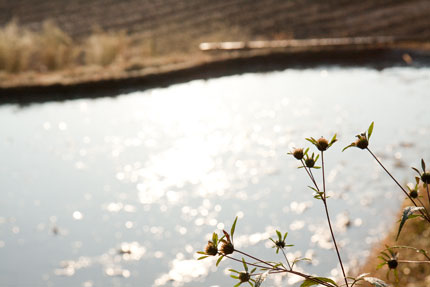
310,282
370,130
244,264
351,145
233,227
260,279
407,212
219,260
376,282
416,170
423,165
202,257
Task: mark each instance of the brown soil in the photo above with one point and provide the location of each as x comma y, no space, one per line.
416,233
167,32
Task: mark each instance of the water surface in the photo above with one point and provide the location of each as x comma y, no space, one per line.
123,191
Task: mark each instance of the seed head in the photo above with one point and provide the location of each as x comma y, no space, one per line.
298,153
227,248
362,142
280,243
244,277
425,177
309,162
413,194
211,249
322,144
392,263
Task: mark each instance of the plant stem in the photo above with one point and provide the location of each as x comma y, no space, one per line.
277,269
412,261
428,195
286,259
251,264
310,174
256,259
329,222
404,191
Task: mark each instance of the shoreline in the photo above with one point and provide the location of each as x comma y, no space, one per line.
205,66
410,274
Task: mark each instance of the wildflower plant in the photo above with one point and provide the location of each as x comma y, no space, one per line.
222,246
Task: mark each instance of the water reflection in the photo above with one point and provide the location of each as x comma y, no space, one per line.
124,191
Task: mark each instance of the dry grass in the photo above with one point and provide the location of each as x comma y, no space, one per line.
51,49
416,233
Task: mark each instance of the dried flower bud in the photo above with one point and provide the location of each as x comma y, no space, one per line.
413,194
322,144
392,264
425,177
244,277
211,249
298,153
227,248
310,162
280,243
362,142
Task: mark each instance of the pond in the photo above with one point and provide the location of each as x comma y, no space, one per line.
123,191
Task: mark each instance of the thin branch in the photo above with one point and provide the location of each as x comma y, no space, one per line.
286,259
277,269
401,187
329,222
308,170
428,194
413,261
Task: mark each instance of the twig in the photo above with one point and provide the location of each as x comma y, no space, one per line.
329,222
401,187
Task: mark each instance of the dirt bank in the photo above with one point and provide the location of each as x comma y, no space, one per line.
163,36
416,233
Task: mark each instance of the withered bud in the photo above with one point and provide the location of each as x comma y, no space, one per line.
413,194
211,249
244,277
361,142
227,248
310,162
392,264
322,144
298,153
425,177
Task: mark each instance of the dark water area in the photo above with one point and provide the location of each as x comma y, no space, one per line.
122,191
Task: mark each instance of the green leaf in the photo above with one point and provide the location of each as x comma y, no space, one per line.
376,282
244,264
361,276
313,188
311,140
407,212
202,257
416,170
233,227
279,235
238,284
309,282
219,260
215,238
380,265
285,236
333,140
423,165
351,145
370,130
